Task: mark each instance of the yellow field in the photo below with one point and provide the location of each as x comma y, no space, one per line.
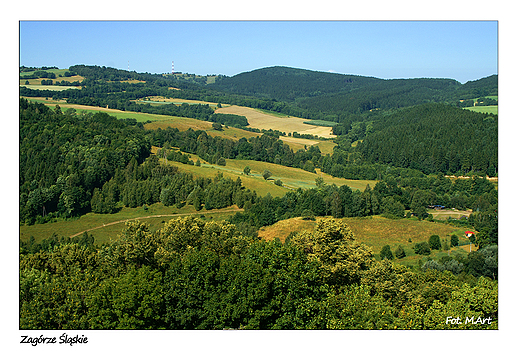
58,79
50,87
282,229
178,101
262,120
181,123
326,146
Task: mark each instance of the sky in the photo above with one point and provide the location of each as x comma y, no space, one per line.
461,50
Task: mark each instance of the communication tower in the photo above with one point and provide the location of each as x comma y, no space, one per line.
172,68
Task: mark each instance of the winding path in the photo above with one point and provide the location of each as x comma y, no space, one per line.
154,216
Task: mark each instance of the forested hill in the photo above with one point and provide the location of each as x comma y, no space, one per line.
333,95
288,84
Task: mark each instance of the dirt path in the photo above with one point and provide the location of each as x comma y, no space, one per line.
152,216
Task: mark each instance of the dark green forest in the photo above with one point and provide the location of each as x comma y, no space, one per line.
196,274
71,164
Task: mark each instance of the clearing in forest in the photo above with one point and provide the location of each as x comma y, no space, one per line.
287,124
377,231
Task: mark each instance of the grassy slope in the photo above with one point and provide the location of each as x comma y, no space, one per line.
378,231
292,178
71,227
483,109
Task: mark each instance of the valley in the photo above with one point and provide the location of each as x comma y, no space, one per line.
279,198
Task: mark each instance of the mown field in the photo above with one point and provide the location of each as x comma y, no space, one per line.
183,123
377,231
37,83
483,109
165,100
261,120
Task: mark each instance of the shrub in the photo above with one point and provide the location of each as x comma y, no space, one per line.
431,264
454,240
435,242
422,248
308,215
266,174
221,161
454,266
399,252
386,252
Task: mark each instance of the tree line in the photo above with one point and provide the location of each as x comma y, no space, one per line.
192,274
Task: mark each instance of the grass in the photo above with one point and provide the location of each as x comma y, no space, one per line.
377,231
292,178
50,87
326,146
484,109
57,72
261,120
321,123
106,233
164,100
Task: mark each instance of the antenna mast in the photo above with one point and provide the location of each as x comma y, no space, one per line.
172,68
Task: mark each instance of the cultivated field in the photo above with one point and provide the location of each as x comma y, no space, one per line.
483,109
50,87
37,83
266,121
164,100
183,123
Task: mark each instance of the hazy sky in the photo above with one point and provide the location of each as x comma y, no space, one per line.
463,50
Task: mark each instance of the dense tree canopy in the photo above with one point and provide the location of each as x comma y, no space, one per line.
193,274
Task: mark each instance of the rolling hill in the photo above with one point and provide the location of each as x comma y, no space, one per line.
330,96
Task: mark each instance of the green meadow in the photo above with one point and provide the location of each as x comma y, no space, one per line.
377,231
106,227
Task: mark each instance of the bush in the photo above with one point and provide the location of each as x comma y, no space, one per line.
308,215
221,161
399,252
422,248
454,266
267,173
454,240
386,252
435,242
431,264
